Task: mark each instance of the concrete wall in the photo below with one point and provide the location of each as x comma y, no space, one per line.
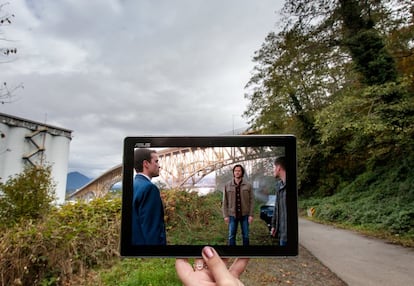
24,142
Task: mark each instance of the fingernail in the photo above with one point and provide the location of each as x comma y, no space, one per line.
208,251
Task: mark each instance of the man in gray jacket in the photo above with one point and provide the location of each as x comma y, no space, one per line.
279,219
238,205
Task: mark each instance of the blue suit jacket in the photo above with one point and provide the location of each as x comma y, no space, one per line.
148,227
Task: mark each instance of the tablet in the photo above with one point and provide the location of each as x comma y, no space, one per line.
198,190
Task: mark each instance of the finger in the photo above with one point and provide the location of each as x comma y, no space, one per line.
184,270
217,267
238,267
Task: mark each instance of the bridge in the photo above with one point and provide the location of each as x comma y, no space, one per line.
181,167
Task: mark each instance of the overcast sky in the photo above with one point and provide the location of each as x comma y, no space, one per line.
108,69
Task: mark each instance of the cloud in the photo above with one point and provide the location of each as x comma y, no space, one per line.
110,69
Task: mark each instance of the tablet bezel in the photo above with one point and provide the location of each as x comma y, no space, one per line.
286,141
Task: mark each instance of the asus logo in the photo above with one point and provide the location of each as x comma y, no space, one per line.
142,145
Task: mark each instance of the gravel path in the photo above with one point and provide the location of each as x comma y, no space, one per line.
304,269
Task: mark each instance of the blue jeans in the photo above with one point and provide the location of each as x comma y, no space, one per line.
233,224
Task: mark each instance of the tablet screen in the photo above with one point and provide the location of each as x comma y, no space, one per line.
224,191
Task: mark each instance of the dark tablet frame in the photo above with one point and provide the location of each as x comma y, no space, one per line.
286,141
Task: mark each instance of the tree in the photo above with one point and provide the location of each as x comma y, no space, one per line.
364,28
365,44
334,65
6,93
296,74
28,195
5,19
373,122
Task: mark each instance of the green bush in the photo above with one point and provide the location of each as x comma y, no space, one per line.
380,199
66,242
71,240
189,213
27,195
401,221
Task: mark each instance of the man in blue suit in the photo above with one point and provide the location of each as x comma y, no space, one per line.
148,227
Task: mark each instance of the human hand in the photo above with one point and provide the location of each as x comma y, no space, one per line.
250,219
213,270
226,219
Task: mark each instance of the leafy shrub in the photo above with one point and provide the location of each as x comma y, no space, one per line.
70,241
401,221
380,199
66,242
27,195
187,213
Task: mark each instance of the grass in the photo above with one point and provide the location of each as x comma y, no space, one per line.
141,272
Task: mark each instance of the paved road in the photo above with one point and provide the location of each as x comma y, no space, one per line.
356,259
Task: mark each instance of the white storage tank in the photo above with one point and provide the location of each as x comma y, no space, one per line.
23,141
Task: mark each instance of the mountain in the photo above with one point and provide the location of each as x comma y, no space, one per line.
75,180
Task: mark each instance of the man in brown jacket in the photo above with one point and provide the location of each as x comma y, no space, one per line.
238,205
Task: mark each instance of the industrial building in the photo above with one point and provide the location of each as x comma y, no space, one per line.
23,141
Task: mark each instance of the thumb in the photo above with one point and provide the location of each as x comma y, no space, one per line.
217,267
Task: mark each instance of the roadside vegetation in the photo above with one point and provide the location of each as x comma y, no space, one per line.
78,243
41,244
378,203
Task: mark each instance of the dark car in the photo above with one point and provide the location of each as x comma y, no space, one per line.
266,210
